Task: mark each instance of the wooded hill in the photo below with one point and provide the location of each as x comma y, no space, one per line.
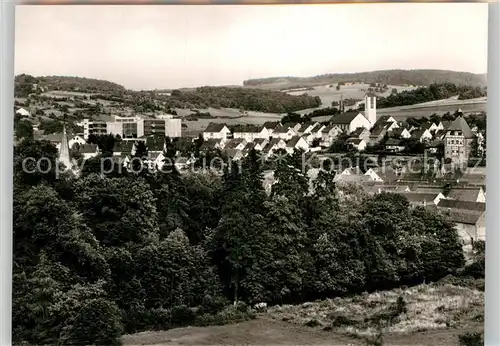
389,77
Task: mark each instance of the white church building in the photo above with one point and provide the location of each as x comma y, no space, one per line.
350,121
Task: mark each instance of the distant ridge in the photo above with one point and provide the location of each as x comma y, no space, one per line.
389,77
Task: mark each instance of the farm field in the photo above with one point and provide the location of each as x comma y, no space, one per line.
435,315
425,110
355,91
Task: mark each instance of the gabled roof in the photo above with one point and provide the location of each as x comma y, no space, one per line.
328,128
210,143
293,141
357,132
418,133
259,140
344,118
281,129
467,195
215,127
305,126
420,197
245,128
462,205
123,147
468,218
354,141
446,124
233,143
249,146
377,130
459,124
88,148
394,141
427,125
269,125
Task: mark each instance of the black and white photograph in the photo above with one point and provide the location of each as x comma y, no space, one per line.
250,174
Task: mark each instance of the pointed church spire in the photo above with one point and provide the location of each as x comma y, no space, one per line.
341,103
64,149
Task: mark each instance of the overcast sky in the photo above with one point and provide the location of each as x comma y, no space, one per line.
146,47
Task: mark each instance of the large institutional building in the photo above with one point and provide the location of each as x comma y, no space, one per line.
134,127
458,141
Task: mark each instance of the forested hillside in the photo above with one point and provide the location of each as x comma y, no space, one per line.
431,93
388,77
26,84
101,255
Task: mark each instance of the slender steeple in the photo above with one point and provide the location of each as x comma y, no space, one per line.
64,149
341,103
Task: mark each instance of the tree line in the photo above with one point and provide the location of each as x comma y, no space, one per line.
108,253
432,92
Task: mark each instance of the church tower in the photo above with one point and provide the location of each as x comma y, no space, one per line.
64,149
371,108
341,104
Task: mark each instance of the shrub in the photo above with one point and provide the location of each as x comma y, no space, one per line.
182,315
470,339
97,323
312,323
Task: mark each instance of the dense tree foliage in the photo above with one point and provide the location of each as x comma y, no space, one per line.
99,255
387,77
431,93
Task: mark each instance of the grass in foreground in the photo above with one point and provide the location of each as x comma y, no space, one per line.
400,311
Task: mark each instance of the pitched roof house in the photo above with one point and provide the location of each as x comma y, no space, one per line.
350,121
216,131
298,143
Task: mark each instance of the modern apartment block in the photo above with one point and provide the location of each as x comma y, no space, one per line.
134,127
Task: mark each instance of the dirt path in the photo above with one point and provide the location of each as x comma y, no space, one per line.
263,331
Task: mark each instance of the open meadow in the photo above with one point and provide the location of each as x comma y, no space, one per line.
434,314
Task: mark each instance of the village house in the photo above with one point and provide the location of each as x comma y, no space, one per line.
458,142
468,217
468,194
216,131
306,128
23,112
211,144
432,127
394,145
329,134
423,199
388,122
284,132
273,145
361,133
443,125
267,129
124,148
87,150
260,143
421,135
377,133
247,132
236,144
348,122
298,143
356,143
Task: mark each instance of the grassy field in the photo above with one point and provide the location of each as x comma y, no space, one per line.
434,315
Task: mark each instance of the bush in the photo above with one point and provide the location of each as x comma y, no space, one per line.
470,339
182,315
97,323
212,305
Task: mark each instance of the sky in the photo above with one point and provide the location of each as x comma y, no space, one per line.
149,47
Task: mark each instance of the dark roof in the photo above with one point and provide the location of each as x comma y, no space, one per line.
155,144
215,127
446,124
290,125
462,205
468,195
426,125
233,143
357,132
293,141
305,126
420,197
87,148
249,146
281,129
210,143
328,128
377,130
259,140
123,146
245,128
418,133
459,124
344,118
354,141
439,133
270,125
393,141
468,218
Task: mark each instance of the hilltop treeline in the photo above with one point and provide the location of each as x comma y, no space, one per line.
248,99
388,77
26,84
123,252
431,93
